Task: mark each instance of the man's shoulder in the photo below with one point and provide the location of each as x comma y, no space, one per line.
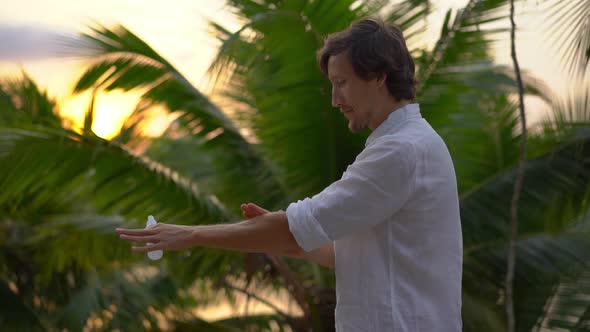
417,133
415,138
389,146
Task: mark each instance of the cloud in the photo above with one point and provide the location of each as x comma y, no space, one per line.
30,42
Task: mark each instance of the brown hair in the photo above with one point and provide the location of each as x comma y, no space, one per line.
374,49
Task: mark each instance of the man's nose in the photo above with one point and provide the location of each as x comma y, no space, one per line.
336,99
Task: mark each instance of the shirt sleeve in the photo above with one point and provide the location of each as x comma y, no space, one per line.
372,189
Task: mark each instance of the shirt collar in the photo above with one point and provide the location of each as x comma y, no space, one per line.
394,120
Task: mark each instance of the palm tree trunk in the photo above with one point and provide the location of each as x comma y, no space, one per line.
517,184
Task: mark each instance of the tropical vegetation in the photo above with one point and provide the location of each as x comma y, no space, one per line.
276,140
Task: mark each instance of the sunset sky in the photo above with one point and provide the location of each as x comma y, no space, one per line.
178,30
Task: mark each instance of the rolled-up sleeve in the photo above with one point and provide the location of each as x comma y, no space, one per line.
306,230
372,189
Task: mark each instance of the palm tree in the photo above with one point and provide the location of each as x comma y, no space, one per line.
61,186
61,265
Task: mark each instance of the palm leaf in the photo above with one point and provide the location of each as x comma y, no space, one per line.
410,17
553,241
464,95
126,300
124,61
572,20
551,183
68,169
541,262
568,307
465,32
22,102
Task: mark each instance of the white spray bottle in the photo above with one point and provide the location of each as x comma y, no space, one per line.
157,254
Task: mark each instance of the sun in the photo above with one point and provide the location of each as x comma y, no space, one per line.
111,109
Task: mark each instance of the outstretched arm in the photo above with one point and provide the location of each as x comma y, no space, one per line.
263,232
268,233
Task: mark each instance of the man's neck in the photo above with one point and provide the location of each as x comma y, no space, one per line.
390,105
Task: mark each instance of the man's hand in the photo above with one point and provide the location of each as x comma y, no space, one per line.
251,210
160,237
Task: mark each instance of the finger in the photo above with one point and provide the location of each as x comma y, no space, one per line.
139,232
255,209
251,210
246,211
148,248
244,207
250,215
139,239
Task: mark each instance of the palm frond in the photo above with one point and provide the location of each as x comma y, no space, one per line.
124,61
466,31
410,17
553,183
23,103
569,23
542,262
568,307
56,171
470,108
132,299
570,116
464,95
136,186
553,242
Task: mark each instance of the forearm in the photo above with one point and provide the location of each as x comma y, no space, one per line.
268,233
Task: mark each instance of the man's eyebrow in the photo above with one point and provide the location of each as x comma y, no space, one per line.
334,77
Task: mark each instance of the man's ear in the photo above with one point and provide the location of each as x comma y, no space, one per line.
381,80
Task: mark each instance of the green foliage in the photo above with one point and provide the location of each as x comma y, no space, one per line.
62,267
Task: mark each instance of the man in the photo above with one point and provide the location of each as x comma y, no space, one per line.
390,226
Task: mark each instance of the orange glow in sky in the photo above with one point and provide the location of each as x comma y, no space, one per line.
110,111
179,32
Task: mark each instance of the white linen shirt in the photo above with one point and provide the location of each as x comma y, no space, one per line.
394,220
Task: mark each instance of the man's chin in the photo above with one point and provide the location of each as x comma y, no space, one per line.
354,129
